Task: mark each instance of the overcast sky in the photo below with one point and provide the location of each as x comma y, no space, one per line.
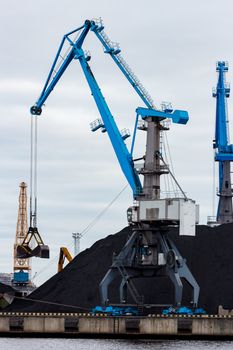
172,46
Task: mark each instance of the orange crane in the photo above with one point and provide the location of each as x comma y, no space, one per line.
22,267
64,254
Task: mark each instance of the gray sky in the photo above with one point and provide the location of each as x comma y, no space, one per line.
172,46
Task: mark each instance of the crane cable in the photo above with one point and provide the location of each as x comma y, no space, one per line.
50,303
85,230
33,172
172,175
214,187
170,184
94,221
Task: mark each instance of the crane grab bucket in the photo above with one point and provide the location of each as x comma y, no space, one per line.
24,250
41,251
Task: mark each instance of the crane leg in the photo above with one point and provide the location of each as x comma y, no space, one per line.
184,272
123,291
175,278
104,284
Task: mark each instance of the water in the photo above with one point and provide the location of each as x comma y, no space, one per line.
109,344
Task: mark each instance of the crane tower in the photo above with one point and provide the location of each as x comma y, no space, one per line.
22,267
77,237
224,150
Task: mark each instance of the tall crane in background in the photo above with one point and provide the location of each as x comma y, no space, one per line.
32,244
76,237
149,252
222,146
22,267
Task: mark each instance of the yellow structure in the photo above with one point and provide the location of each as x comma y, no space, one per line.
64,254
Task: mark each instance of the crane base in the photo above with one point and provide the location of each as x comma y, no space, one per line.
148,253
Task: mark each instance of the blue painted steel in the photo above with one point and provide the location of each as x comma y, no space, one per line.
224,150
115,310
183,310
113,53
50,84
134,135
21,277
76,52
177,116
221,138
221,157
122,153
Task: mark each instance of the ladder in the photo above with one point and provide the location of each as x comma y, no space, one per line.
114,50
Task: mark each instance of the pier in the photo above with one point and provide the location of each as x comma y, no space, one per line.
87,325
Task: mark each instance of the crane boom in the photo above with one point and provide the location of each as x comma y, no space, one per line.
52,81
121,151
123,155
107,123
113,49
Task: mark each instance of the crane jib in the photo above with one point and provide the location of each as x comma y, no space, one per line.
123,155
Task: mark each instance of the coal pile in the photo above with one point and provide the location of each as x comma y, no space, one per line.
209,256
4,288
7,294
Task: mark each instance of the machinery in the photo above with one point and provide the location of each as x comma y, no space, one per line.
223,149
22,267
32,244
64,254
21,280
149,252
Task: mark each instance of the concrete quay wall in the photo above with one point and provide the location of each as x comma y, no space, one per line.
86,324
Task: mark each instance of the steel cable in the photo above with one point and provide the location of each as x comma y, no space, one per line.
84,231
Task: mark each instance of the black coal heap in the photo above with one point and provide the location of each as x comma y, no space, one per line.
4,288
209,256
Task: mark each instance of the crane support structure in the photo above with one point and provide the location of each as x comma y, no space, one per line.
222,146
149,252
22,267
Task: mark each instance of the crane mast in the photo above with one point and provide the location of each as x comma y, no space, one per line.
149,251
223,149
22,267
152,169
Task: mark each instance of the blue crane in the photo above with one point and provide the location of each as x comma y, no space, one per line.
222,146
107,123
148,249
